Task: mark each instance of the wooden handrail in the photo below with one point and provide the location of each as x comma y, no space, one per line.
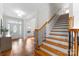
51,18
44,25
37,30
47,22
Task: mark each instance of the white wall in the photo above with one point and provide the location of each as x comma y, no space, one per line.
1,13
1,9
13,21
74,11
76,14
71,10
45,12
29,25
51,24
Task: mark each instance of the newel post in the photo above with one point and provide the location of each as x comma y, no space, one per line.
36,38
73,42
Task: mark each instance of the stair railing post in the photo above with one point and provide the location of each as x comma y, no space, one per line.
40,36
77,41
75,44
36,38
72,43
69,43
44,33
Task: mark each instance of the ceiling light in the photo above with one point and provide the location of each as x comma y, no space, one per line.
19,13
67,11
29,27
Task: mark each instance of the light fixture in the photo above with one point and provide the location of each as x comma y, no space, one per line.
29,27
67,11
20,13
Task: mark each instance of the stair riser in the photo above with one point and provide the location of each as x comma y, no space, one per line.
66,33
59,42
59,39
41,53
61,24
62,37
58,34
56,44
62,21
60,29
53,50
48,52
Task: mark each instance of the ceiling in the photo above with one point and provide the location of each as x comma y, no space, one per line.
30,9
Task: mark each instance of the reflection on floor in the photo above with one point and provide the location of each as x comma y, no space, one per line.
21,47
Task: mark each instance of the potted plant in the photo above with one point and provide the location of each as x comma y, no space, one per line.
3,30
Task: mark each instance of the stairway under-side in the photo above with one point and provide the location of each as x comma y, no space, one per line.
56,43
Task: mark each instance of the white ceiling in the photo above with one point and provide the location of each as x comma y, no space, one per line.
28,8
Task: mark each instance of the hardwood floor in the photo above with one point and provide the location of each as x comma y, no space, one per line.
20,47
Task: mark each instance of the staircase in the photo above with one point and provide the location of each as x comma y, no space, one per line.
56,43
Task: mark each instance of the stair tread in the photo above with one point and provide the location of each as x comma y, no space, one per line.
58,31
54,50
59,28
57,44
62,22
58,34
42,53
61,25
50,53
60,39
